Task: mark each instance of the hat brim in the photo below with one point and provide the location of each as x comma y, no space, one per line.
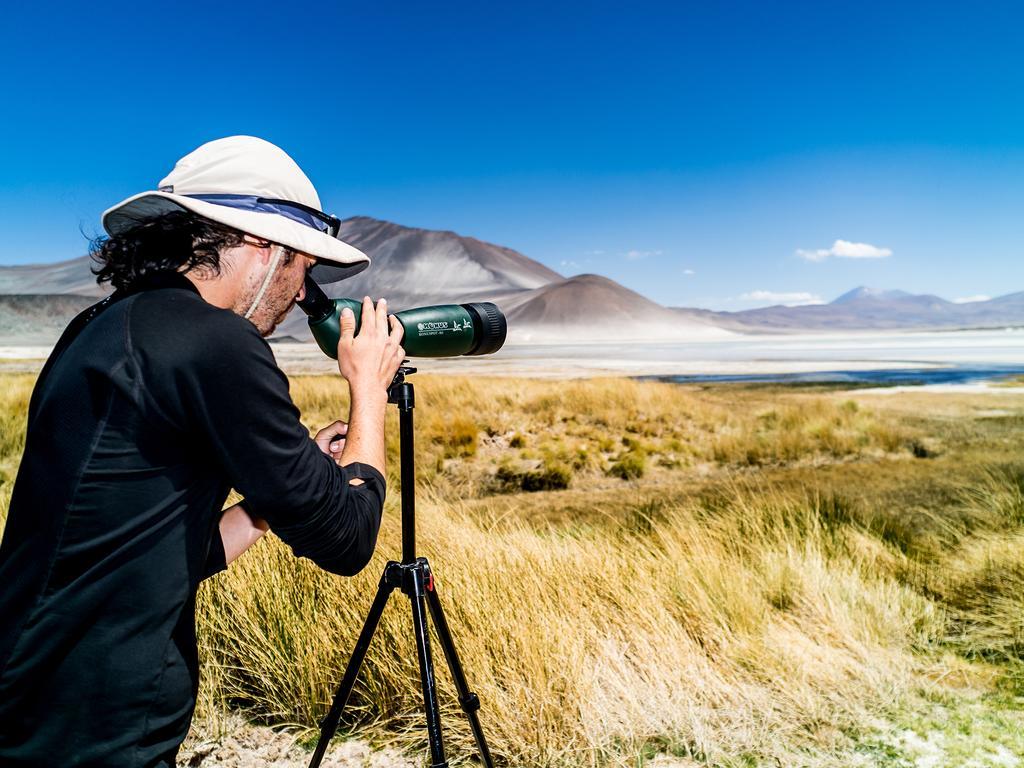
338,259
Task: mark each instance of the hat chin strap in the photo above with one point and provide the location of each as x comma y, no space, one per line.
276,252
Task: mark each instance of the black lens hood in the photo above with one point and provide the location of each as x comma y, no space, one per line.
489,326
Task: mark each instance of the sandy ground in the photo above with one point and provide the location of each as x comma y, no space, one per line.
250,746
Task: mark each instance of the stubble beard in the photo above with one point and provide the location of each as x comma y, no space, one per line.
273,308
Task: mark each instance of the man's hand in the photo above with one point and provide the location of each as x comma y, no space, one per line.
331,440
369,360
238,531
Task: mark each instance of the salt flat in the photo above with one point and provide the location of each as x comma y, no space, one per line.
738,355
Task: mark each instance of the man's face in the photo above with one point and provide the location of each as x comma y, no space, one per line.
286,287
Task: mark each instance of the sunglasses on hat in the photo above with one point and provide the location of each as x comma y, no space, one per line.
331,224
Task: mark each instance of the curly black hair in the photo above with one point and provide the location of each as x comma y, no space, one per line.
173,242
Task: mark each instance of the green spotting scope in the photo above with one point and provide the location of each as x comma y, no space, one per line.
444,330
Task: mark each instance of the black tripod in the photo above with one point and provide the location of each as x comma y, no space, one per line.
414,578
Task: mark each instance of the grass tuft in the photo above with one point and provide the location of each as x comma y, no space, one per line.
630,465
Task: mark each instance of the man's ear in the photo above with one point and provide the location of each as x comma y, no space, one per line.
259,248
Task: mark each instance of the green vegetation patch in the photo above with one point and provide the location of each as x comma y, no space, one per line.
630,465
952,730
547,477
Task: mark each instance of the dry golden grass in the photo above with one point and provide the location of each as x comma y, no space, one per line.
740,619
746,628
587,431
740,576
14,396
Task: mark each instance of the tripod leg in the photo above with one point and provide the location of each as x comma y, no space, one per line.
329,725
470,701
419,625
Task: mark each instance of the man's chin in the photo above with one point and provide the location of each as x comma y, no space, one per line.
265,330
276,322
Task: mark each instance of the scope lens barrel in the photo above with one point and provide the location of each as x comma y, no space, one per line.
443,330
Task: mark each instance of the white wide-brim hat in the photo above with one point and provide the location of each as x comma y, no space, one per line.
253,186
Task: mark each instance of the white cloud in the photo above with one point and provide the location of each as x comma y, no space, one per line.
570,263
969,299
818,255
789,298
636,255
689,272
844,249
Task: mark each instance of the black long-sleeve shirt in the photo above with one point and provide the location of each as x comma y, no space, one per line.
142,420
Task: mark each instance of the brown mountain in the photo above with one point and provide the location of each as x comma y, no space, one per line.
592,306
73,276
410,267
38,319
413,265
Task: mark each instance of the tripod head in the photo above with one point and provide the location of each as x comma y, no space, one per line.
400,392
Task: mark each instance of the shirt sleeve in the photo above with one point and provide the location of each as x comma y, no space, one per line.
220,382
216,558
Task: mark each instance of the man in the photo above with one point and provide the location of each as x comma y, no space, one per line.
154,404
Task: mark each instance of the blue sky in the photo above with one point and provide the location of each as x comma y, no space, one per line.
726,154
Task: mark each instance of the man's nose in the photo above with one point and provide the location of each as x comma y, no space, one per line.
310,263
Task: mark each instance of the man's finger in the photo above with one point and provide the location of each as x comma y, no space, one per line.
382,317
397,330
369,325
339,427
394,362
348,325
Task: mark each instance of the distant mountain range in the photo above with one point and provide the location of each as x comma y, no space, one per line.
869,309
39,319
63,277
414,267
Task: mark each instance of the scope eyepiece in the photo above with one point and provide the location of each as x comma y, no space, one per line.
315,303
443,330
